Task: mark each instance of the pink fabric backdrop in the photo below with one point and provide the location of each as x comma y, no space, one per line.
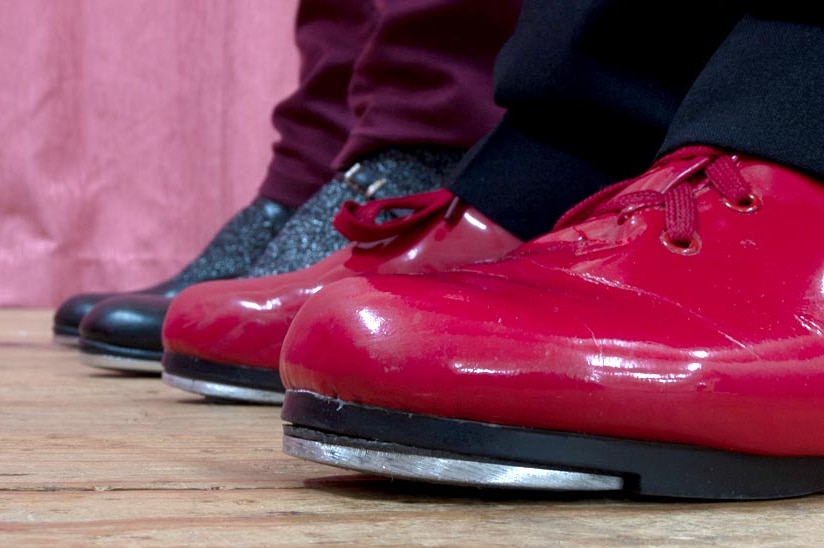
130,131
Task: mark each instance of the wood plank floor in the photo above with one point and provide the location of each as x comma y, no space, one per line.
95,459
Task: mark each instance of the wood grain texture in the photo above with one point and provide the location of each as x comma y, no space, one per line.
89,458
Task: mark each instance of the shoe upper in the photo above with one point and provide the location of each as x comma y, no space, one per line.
129,322
243,322
684,306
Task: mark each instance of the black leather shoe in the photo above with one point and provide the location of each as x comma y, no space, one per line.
230,254
121,333
125,333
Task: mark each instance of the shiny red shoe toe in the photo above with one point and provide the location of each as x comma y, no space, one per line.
667,339
223,339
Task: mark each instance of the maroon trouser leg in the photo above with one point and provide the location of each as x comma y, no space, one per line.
314,121
425,75
385,73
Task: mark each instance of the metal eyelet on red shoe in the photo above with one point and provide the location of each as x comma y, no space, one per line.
750,204
679,248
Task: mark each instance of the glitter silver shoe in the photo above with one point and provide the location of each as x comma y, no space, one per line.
309,235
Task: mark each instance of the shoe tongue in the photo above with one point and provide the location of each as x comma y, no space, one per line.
662,177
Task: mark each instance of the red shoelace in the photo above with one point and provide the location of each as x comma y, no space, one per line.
709,166
359,222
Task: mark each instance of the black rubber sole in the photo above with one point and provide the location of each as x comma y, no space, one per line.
119,358
647,469
65,330
88,346
239,376
65,335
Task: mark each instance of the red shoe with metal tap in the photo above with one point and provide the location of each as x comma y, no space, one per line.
667,339
222,339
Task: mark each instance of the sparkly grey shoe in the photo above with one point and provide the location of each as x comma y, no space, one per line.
309,236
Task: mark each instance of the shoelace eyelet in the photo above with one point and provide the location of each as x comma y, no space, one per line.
750,204
693,247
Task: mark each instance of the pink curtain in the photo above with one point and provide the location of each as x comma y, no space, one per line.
130,131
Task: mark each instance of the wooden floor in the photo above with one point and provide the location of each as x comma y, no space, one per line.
95,459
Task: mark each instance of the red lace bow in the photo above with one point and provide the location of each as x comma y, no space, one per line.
359,222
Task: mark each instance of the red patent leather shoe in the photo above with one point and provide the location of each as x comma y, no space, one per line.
666,340
223,339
